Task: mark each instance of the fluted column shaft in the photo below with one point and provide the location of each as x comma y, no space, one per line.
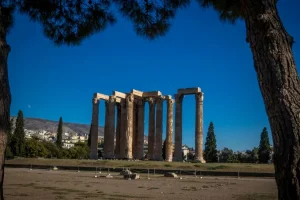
178,128
109,129
199,127
169,135
158,130
94,130
134,129
129,127
123,128
151,128
140,131
118,131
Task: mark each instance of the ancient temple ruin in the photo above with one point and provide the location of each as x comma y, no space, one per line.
129,128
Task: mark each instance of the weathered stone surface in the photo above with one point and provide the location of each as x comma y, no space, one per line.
169,134
118,132
167,97
94,129
109,129
109,176
125,172
123,128
101,96
132,176
118,100
152,94
137,93
183,91
199,128
151,128
140,131
119,94
134,130
129,127
159,129
171,174
178,128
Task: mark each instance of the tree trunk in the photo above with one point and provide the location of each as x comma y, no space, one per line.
278,79
5,99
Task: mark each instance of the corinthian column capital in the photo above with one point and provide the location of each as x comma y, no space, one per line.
170,102
95,101
179,98
151,101
130,97
199,96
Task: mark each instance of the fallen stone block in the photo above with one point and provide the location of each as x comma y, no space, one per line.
109,176
125,172
131,176
171,174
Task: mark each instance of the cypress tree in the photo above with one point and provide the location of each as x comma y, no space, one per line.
89,138
264,147
210,151
59,133
164,150
8,152
18,138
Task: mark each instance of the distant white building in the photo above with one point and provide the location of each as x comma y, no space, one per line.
68,145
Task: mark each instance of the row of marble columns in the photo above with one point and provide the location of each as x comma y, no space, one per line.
129,131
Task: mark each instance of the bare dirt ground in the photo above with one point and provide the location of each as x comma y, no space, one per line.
28,184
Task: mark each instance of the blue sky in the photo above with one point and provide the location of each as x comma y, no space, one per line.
199,51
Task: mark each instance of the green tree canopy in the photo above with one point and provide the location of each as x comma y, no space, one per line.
59,133
89,137
210,151
264,149
18,138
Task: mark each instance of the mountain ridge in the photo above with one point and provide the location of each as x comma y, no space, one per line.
37,124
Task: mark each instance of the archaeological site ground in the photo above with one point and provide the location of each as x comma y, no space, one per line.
28,184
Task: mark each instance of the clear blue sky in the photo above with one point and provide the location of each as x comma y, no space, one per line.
48,81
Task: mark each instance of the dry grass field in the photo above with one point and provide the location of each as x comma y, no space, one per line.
228,167
34,184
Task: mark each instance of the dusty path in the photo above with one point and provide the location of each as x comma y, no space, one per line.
47,185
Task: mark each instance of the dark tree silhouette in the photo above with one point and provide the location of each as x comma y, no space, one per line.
89,137
59,133
18,138
69,22
278,80
264,149
164,150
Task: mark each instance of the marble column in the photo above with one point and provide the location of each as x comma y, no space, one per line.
129,126
123,128
151,128
118,131
140,131
134,129
159,129
109,129
169,135
178,128
199,127
94,130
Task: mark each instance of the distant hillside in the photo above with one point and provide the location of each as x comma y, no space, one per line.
51,126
